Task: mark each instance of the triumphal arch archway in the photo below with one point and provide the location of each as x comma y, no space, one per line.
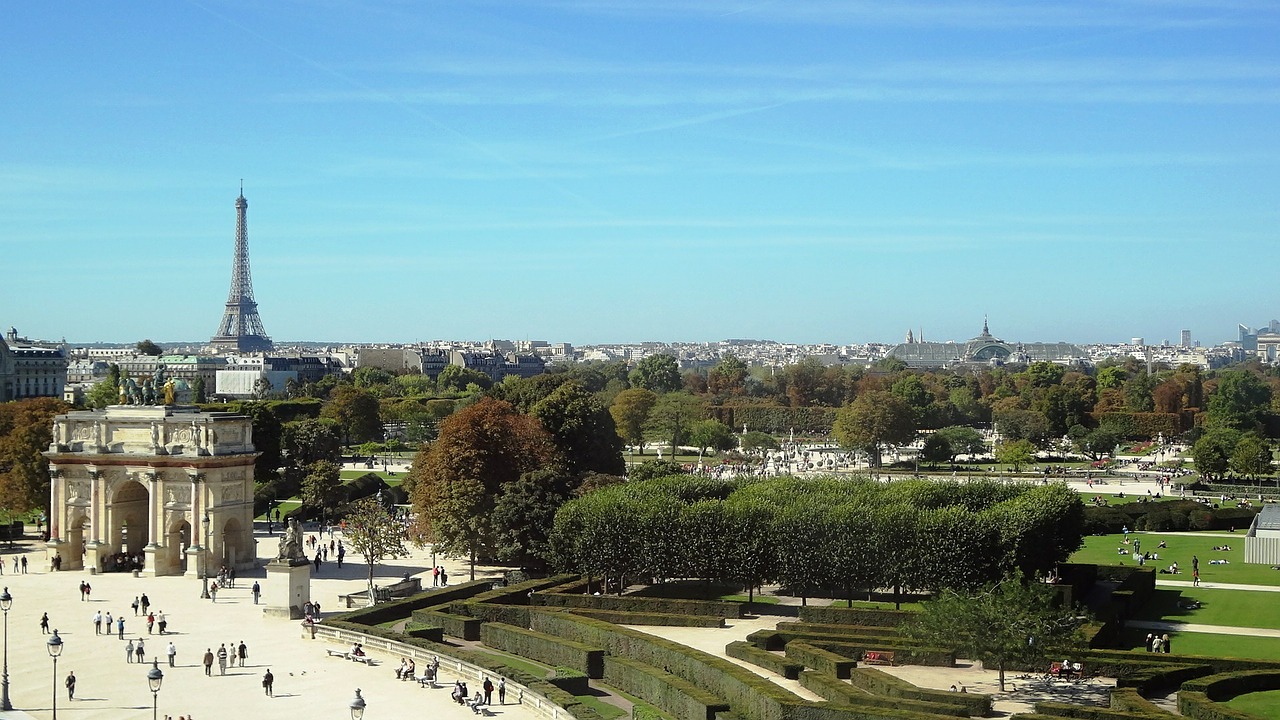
164,489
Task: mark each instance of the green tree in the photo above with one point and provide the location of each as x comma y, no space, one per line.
457,378
1252,457
962,440
1241,401
630,411
197,390
371,377
322,487
304,442
655,469
525,513
659,373
756,440
267,435
711,435
583,431
1018,424
936,449
1212,452
727,377
356,412
1016,453
1099,441
1013,623
874,419
375,534
456,483
146,347
672,415
1111,378
106,392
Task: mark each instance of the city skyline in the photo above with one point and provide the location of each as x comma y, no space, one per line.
608,171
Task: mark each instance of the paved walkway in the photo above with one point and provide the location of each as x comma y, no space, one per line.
1217,586
307,682
1194,627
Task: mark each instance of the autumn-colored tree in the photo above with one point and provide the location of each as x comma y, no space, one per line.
356,411
456,483
26,429
874,419
630,411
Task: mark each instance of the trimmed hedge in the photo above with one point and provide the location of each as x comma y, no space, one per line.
854,616
843,693
1155,677
403,609
645,711
749,694
904,652
777,639
882,683
1129,700
517,615
1067,710
459,626
1120,658
824,661
672,694
434,634
820,628
763,658
1198,705
1225,686
620,617
571,681
630,603
544,648
518,593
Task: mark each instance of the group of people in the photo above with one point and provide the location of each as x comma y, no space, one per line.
439,578
408,669
238,651
1157,643
460,692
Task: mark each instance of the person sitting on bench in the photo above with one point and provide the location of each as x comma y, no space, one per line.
357,651
404,668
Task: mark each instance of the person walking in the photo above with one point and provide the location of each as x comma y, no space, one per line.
151,621
243,652
502,691
222,659
24,564
44,624
135,605
70,682
342,552
173,653
108,624
97,623
208,661
213,591
120,626
257,590
128,652
317,561
141,651
146,603
161,621
267,681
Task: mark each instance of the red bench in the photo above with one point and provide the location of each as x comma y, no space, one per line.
878,657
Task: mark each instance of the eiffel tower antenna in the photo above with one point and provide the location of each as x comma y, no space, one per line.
241,328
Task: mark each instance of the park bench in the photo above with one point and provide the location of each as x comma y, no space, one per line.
338,653
478,706
1058,670
361,659
878,657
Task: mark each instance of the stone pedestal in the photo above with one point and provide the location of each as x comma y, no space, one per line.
287,589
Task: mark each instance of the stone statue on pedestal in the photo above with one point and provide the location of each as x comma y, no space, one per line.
291,547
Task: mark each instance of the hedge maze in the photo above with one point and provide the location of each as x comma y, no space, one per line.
585,637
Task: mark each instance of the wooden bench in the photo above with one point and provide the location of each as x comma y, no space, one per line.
878,657
1057,670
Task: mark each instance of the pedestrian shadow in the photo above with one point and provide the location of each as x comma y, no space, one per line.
283,695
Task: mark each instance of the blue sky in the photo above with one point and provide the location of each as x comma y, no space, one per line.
619,170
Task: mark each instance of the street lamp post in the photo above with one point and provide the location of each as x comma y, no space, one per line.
204,559
154,678
6,602
54,646
357,706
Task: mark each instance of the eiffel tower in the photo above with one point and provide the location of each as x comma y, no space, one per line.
241,328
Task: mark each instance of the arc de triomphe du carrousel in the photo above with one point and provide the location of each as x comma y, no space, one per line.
164,489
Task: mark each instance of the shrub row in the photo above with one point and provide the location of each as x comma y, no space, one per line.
544,648
819,628
1118,659
904,652
748,693
459,626
1225,686
763,658
645,711
517,615
672,694
776,418
403,609
1155,677
824,661
1198,705
843,693
854,616
1130,700
1067,710
518,593
571,681
1142,426
629,603
882,683
620,617
424,632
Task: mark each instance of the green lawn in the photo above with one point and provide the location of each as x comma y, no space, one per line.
1239,608
1211,644
1262,704
519,663
1101,550
602,708
758,599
